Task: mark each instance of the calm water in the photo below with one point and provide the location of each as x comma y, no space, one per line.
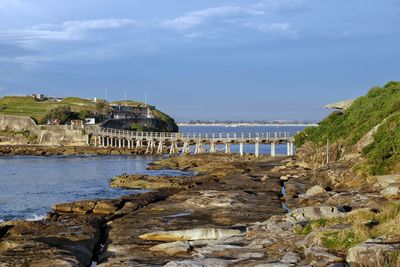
30,185
264,148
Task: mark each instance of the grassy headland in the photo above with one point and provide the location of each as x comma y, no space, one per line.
379,109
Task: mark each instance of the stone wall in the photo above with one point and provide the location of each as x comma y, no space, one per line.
51,135
16,123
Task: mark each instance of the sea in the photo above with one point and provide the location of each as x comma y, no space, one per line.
30,185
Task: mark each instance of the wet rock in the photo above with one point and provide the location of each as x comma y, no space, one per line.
106,206
82,207
315,190
313,213
148,182
172,248
189,235
374,253
218,199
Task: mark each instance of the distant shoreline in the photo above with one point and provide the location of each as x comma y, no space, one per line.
248,125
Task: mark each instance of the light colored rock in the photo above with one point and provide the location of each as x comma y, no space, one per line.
313,213
284,178
341,105
274,264
322,257
199,263
216,199
374,253
290,257
189,235
391,191
385,180
315,190
265,178
172,248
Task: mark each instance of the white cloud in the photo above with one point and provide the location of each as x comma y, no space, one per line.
67,31
270,27
276,5
196,18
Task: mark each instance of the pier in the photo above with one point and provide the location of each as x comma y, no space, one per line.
159,143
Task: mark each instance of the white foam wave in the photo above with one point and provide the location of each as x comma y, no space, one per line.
35,218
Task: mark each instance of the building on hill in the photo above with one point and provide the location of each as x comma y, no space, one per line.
139,111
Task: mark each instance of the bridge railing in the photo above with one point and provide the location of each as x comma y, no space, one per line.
110,132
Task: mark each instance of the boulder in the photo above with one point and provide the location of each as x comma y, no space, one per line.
386,180
391,191
172,248
315,190
190,235
374,253
321,257
290,257
106,207
313,213
199,263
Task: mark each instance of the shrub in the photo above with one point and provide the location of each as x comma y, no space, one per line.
61,115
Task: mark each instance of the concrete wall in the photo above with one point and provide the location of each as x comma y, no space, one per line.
16,123
46,134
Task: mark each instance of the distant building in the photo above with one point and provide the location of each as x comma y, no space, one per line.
139,111
90,121
39,97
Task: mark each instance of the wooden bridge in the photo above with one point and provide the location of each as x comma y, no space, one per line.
185,143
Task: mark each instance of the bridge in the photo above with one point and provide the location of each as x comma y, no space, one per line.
184,143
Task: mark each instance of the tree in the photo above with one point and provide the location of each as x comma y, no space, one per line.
102,107
85,114
59,115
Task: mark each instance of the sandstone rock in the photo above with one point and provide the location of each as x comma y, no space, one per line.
374,253
391,191
172,248
81,207
284,178
106,207
216,199
321,257
147,182
265,178
189,235
385,180
315,190
313,213
199,263
274,264
291,257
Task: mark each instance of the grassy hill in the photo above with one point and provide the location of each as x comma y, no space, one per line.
28,106
37,110
379,108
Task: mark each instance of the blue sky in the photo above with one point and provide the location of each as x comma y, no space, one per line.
253,59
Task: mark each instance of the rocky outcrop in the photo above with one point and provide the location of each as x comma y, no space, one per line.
374,252
150,182
342,105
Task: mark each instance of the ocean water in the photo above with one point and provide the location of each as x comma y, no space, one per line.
30,185
265,149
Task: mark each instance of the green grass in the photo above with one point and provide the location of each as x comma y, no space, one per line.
381,106
362,225
28,106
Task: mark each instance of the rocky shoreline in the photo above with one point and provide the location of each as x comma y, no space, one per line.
40,150
233,213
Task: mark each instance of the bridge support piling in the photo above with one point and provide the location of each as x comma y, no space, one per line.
291,148
288,149
273,147
186,148
213,148
160,148
241,148
227,148
257,149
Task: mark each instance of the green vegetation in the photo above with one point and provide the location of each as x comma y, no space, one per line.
37,110
167,120
139,128
380,107
131,103
61,115
358,227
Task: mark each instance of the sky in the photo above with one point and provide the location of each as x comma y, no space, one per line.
202,59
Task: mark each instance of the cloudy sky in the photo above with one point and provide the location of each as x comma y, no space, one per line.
204,59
